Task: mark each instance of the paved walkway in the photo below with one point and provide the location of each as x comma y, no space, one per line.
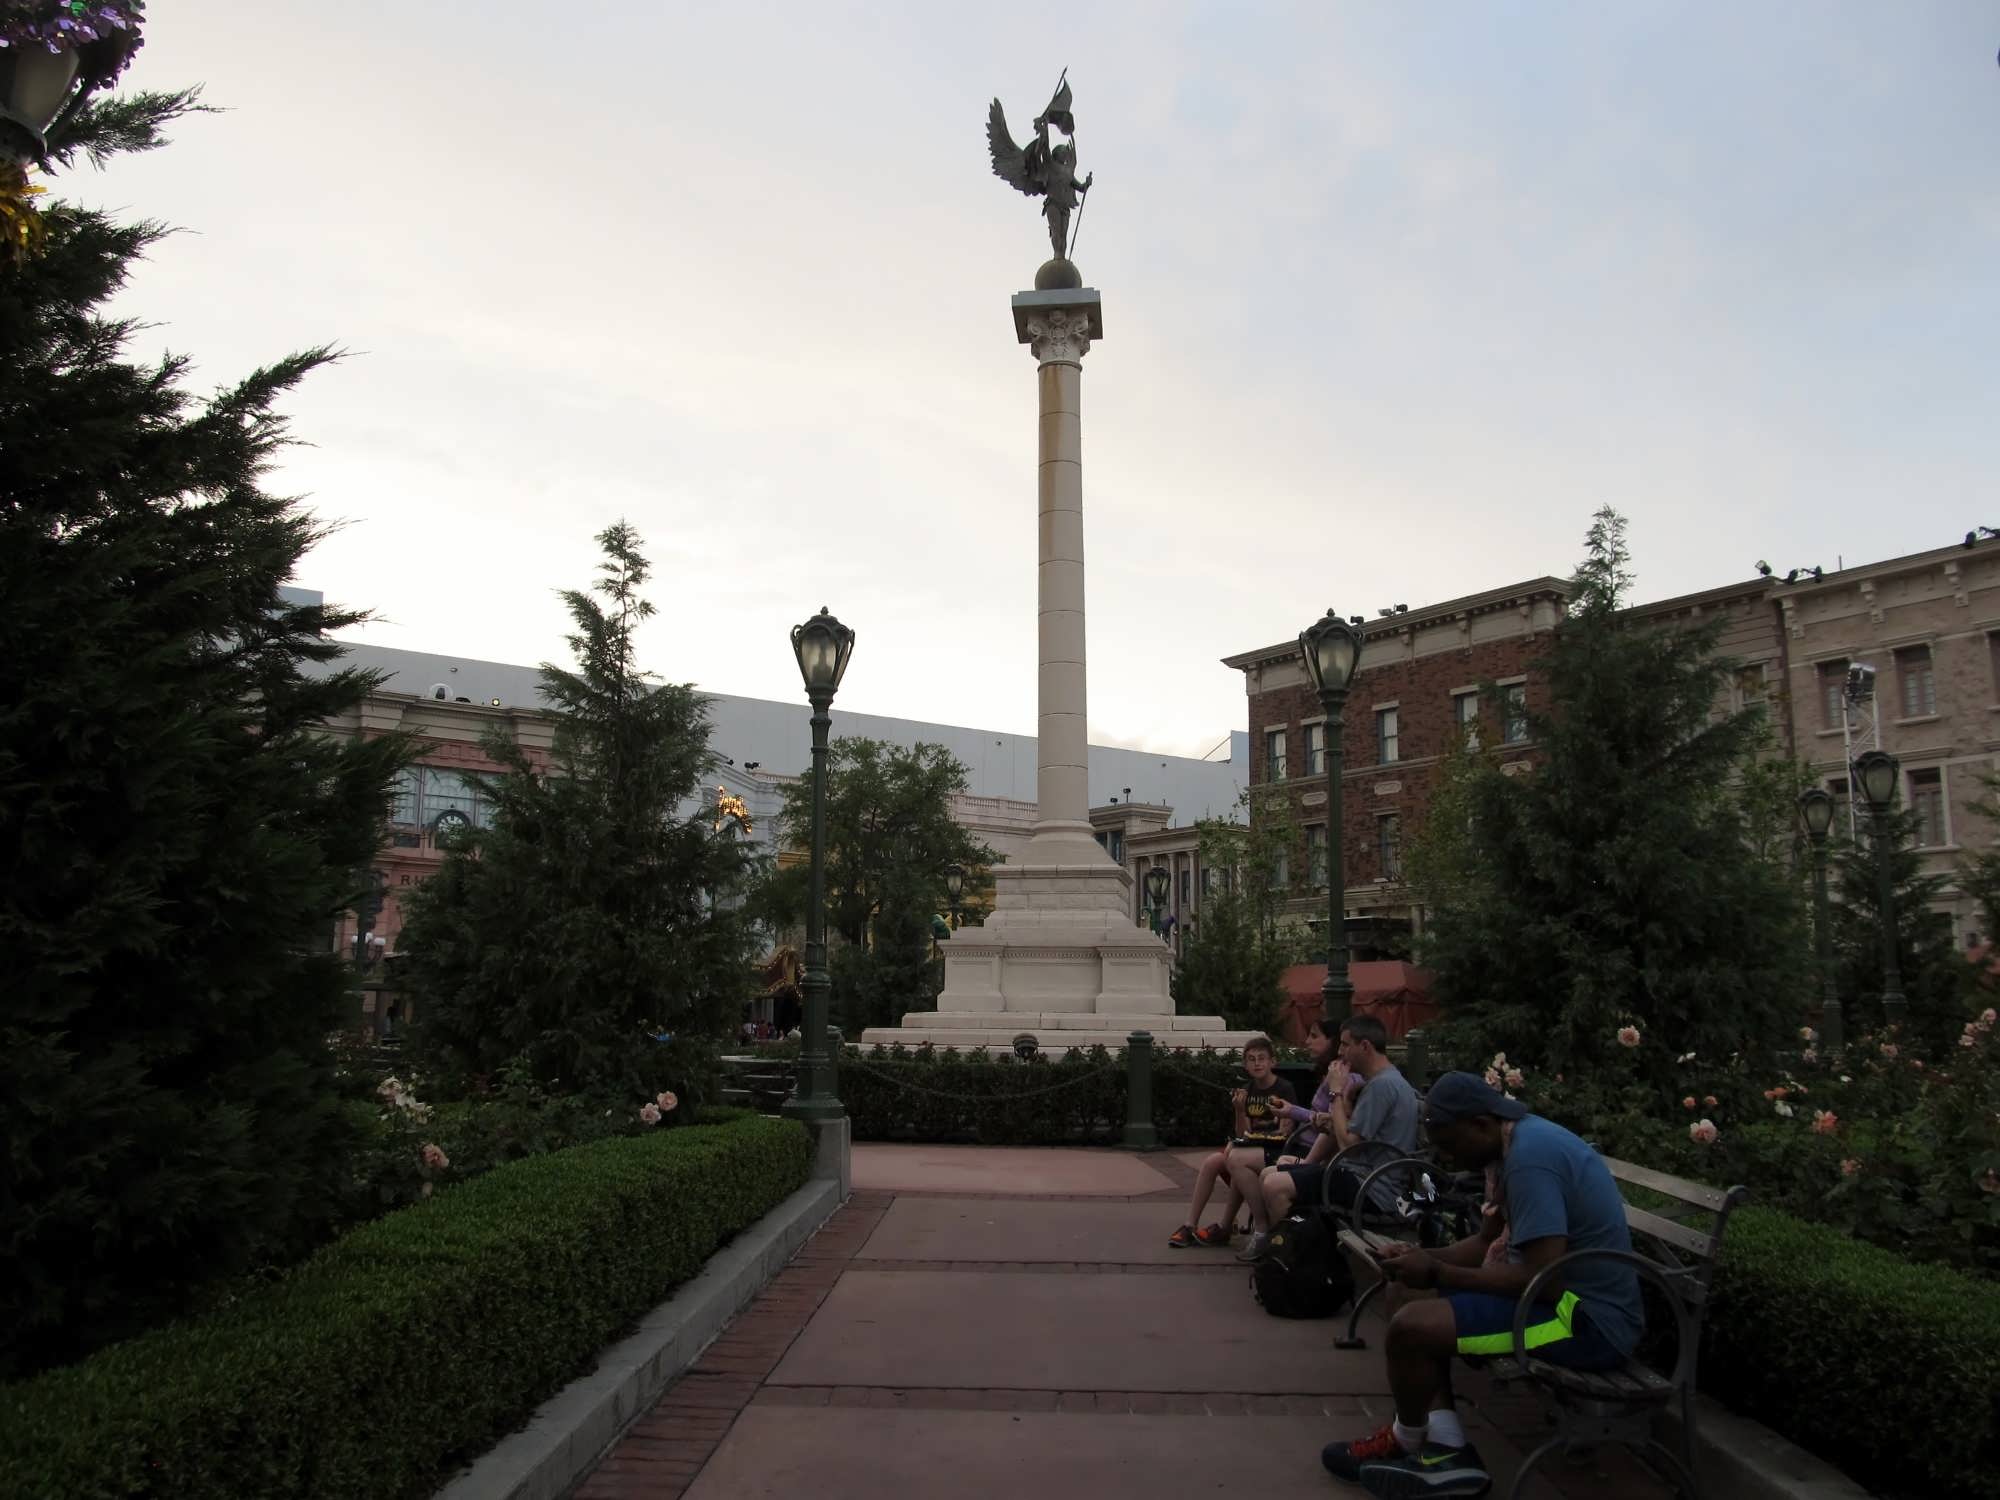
982,1323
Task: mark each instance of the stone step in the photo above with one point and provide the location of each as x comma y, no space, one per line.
1083,1020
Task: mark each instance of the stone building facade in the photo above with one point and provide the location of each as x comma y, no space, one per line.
1929,626
1416,689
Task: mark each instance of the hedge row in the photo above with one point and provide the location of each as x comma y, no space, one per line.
1887,1369
1076,1100
407,1347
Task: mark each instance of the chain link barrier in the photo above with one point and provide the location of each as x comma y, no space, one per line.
849,1065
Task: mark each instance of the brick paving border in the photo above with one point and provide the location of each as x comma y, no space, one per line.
659,1455
1115,1403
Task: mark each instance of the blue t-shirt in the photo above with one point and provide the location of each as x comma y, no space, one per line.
1556,1185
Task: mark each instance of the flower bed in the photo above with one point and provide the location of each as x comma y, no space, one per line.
411,1344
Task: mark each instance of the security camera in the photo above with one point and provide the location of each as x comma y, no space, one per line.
1025,1046
440,692
1860,682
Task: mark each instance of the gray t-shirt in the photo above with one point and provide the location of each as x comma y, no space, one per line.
1387,1116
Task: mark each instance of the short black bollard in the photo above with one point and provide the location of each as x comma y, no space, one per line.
1417,1059
1139,1132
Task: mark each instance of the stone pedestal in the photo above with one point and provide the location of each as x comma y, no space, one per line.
1061,945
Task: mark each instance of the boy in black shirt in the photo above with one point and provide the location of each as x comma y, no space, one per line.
1255,1143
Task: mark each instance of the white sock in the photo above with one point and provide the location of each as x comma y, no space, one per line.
1412,1438
1446,1430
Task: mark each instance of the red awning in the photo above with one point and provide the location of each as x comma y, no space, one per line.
1396,993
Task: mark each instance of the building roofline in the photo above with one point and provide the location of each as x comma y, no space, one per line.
1384,626
1907,562
1725,594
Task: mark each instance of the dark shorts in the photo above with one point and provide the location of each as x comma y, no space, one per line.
1272,1149
1310,1182
1559,1332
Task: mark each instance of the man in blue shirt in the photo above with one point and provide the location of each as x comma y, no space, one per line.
1556,1196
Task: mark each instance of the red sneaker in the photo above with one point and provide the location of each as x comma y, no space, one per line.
1344,1460
1215,1237
1183,1237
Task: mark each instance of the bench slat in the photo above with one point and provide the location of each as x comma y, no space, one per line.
1674,1187
1667,1231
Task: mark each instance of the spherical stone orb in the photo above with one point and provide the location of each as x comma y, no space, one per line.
1059,275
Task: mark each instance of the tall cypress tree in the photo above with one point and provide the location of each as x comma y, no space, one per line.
1620,881
597,911
176,834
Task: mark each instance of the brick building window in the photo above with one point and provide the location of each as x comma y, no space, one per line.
1388,737
1993,658
420,793
1316,856
1274,755
1465,713
1751,688
1281,870
1389,845
1832,693
1315,749
1927,802
1187,888
1918,680
1514,720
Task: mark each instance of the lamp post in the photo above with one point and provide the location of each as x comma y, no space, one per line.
1816,808
1157,881
954,887
1332,649
823,646
44,81
1879,772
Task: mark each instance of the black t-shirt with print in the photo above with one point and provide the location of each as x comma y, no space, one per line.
1262,1123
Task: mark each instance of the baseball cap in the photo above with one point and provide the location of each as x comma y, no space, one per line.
1464,1096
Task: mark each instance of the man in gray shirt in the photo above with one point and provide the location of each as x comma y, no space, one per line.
1384,1116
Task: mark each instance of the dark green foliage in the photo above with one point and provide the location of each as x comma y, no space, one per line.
594,912
177,834
1936,978
410,1345
1075,1100
1619,882
1884,1369
1233,963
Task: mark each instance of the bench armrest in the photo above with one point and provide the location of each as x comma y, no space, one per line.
1685,1351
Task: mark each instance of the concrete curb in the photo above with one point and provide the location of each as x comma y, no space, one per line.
571,1430
1744,1460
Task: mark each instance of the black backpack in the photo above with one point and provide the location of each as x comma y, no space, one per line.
1303,1274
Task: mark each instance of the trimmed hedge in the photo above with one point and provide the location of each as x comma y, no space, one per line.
1889,1370
1075,1100
410,1345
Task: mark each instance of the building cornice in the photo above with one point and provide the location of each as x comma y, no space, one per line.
1388,627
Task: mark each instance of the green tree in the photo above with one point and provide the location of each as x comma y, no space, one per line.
1936,978
890,838
1618,882
177,833
597,910
1234,960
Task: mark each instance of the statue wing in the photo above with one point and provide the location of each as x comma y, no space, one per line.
1010,162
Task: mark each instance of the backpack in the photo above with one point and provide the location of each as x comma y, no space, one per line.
1303,1275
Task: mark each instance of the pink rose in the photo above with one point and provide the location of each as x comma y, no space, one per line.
1703,1132
1989,1015
1688,1103
1709,1100
1888,1049
1811,1055
650,1113
668,1102
1515,1078
434,1157
1628,1036
1968,1040
1493,1078
1990,1182
1807,1034
1917,1063
1825,1122
1850,1166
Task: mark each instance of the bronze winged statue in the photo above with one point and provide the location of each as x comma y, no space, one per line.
1040,169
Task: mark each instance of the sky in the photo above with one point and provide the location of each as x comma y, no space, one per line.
1394,297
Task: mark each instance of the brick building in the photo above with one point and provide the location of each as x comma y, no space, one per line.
1416,689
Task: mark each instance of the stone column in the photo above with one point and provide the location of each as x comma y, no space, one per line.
1058,327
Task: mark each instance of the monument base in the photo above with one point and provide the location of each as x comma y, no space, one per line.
1060,958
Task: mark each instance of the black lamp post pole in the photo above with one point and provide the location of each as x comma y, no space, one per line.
815,1099
1894,1007
1336,991
1832,1031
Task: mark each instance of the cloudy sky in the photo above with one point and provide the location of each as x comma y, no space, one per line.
1395,296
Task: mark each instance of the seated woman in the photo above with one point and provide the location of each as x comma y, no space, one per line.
1368,1099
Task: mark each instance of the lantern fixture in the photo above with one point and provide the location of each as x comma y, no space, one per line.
823,646
1332,649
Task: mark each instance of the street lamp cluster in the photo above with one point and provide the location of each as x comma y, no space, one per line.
1877,774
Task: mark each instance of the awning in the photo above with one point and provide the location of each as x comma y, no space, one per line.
1396,993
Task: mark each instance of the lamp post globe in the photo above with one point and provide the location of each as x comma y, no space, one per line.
1156,882
1331,647
823,647
1816,811
1879,774
954,888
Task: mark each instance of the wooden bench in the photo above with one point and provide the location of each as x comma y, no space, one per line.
1592,1407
